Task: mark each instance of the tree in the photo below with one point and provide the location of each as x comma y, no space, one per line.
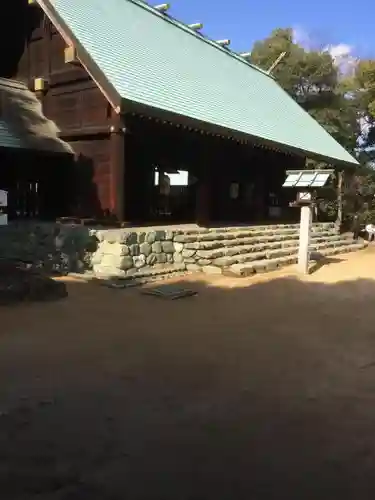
364,84
314,81
309,77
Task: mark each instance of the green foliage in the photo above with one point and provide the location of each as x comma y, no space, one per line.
340,104
365,79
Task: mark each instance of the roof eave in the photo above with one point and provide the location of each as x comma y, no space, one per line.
108,90
174,118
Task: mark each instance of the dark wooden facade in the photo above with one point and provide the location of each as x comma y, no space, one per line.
72,100
116,155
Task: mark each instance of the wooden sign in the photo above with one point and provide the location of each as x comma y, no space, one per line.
304,196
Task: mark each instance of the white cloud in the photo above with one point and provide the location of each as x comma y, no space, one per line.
302,37
342,53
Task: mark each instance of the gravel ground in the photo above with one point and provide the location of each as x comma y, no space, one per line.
254,389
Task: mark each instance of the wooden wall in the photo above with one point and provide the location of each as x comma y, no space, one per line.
72,101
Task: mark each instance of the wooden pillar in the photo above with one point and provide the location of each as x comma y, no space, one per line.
204,195
118,173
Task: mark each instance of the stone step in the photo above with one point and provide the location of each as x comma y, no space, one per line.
265,265
224,252
239,233
326,226
251,240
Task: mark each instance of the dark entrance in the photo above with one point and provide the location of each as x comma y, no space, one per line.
37,183
177,175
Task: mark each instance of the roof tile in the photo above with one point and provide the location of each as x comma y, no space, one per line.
152,59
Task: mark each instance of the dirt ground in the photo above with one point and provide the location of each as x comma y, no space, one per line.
255,389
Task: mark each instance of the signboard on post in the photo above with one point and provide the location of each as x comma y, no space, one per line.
309,180
3,207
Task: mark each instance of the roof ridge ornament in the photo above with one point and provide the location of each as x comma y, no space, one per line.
195,26
163,7
223,43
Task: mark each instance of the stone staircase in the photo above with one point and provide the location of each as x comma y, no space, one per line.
243,251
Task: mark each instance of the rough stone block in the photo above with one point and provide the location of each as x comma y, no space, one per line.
113,248
211,254
145,249
159,235
177,257
141,237
150,237
184,238
156,247
167,246
196,245
213,236
170,258
241,269
132,272
189,260
96,258
116,261
130,238
107,271
111,236
134,249
139,261
260,267
188,253
251,257
178,247
125,263
161,258
151,259
223,261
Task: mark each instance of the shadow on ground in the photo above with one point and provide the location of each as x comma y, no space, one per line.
260,392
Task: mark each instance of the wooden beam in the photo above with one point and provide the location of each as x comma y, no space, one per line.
118,167
77,133
87,62
203,202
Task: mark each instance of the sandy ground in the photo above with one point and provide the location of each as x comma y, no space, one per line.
254,389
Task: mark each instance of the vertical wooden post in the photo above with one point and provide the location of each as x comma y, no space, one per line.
203,198
117,155
340,185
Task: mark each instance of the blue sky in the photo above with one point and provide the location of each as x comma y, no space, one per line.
327,22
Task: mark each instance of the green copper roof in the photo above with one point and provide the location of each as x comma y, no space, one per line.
151,59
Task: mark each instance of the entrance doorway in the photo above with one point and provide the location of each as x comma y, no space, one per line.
174,195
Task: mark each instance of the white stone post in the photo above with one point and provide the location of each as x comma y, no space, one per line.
304,239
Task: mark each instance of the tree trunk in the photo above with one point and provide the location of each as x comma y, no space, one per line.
340,186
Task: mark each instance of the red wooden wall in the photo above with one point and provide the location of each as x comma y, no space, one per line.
75,104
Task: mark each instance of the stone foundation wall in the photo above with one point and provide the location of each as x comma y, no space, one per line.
52,247
63,248
124,253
